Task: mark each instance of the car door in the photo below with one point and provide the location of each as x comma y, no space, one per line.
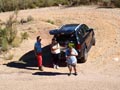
86,34
89,33
80,39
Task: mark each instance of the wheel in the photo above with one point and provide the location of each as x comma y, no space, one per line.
85,56
93,41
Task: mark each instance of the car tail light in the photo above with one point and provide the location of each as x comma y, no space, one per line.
78,46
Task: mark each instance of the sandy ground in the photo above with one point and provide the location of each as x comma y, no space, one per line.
100,72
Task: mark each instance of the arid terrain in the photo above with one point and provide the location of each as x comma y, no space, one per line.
100,72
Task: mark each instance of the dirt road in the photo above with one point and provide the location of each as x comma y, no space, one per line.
100,72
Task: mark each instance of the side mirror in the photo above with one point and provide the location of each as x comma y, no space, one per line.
90,29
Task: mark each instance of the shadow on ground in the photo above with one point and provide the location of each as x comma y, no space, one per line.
49,73
105,7
29,60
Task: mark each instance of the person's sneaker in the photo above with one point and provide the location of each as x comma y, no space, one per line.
75,74
40,68
57,67
69,74
54,66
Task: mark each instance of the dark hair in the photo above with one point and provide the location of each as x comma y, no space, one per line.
38,37
54,39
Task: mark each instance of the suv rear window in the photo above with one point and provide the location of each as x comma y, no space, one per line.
63,39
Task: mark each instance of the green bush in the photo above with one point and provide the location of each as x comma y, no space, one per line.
50,21
11,28
16,42
8,57
8,33
24,35
4,45
30,18
11,5
3,39
26,20
110,3
116,3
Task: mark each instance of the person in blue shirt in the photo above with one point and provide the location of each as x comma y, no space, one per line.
38,52
71,59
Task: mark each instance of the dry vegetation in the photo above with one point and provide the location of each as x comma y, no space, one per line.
10,5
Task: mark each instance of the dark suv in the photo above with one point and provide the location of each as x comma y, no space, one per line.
80,36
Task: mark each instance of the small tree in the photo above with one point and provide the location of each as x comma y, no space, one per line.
3,39
8,33
116,3
11,28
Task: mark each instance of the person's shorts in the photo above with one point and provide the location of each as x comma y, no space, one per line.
73,65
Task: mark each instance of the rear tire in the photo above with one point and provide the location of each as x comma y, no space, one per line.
85,56
93,41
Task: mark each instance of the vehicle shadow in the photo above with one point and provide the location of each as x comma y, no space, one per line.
29,59
49,73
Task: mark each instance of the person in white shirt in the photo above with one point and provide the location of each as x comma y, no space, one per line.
55,51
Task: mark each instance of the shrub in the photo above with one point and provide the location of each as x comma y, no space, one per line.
24,35
4,44
30,18
8,56
11,5
116,3
11,29
50,21
22,21
8,33
16,42
3,40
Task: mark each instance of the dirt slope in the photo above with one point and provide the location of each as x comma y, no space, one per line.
100,72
